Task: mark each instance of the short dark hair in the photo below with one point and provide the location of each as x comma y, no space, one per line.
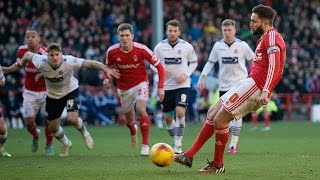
265,12
174,22
54,46
228,22
125,26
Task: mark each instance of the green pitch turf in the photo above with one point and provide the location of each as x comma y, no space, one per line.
291,150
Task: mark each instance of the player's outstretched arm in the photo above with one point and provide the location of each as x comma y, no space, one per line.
27,57
91,64
13,68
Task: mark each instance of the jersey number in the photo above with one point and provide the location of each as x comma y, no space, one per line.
70,104
183,98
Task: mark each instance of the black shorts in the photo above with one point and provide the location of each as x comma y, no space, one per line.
54,107
176,97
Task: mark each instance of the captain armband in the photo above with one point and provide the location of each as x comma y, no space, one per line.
273,49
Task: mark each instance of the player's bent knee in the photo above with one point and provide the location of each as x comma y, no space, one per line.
30,122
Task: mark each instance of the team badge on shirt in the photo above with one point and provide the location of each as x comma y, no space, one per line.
60,72
135,58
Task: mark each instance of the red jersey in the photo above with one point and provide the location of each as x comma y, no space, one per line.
131,65
268,63
34,81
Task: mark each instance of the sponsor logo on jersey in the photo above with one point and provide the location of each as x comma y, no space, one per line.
127,66
230,60
58,79
31,70
173,60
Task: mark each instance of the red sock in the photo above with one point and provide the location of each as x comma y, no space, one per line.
206,132
222,136
266,117
49,135
144,128
132,129
254,117
33,131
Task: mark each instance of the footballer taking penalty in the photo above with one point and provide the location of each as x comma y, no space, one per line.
248,95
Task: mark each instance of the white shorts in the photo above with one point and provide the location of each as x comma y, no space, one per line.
33,102
130,96
242,99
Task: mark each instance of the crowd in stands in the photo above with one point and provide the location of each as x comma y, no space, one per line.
86,28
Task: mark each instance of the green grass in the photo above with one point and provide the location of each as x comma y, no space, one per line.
290,150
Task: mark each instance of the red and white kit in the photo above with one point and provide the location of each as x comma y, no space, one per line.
266,73
133,83
34,92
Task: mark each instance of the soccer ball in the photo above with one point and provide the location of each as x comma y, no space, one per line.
162,154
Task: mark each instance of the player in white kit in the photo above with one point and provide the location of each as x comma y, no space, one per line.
63,89
231,54
180,61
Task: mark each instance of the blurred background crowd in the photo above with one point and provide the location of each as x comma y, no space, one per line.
86,28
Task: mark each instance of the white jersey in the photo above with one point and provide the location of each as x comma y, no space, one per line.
178,59
60,81
232,61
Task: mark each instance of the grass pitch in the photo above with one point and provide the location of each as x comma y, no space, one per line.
291,150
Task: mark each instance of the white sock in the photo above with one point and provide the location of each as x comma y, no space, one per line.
80,126
234,141
159,120
20,123
179,125
60,136
235,130
14,123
